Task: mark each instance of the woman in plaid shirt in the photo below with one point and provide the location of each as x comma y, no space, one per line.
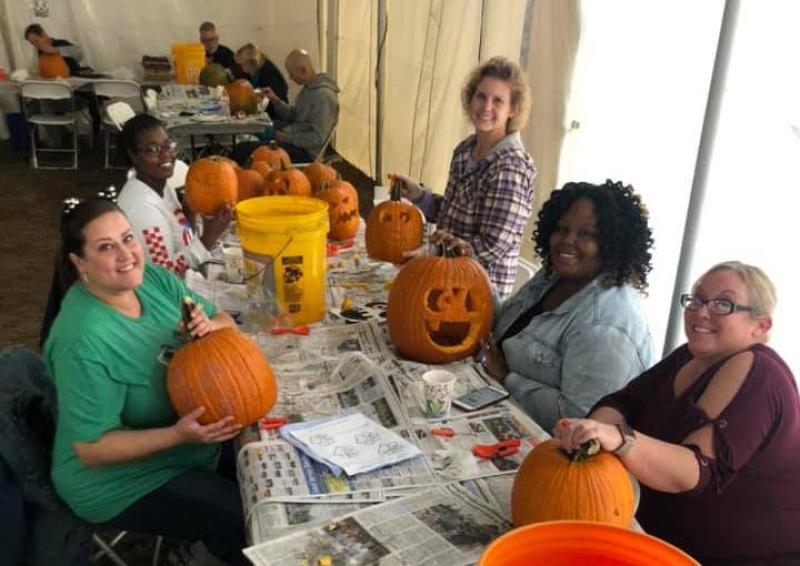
490,187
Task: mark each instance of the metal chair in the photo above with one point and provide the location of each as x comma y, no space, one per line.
108,92
49,97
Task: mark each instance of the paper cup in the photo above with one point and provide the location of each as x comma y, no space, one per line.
233,259
438,387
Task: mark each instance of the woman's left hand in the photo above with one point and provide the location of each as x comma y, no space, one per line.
571,433
494,361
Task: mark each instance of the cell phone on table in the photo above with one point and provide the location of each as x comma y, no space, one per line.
480,398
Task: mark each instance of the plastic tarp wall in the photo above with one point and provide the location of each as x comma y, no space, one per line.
117,34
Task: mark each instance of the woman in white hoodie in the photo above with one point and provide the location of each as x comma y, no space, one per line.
152,206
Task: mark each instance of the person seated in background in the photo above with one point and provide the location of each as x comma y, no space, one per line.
575,332
262,73
152,206
489,191
711,432
303,126
72,54
121,455
218,53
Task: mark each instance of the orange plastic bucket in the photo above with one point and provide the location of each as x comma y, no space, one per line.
189,59
571,543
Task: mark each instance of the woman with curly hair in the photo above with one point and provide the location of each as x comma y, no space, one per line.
489,191
575,332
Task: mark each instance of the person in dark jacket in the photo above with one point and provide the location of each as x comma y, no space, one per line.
218,53
262,73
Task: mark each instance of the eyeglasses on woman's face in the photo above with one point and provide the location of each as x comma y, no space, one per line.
155,149
721,307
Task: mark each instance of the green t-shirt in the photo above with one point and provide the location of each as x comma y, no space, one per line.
108,377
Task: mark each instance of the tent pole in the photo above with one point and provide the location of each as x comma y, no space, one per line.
699,181
379,91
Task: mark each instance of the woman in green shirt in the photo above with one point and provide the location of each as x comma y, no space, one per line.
121,454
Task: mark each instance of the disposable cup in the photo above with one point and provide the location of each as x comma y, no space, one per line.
233,259
438,387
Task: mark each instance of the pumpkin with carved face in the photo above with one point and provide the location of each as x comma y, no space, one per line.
342,199
287,182
393,227
439,309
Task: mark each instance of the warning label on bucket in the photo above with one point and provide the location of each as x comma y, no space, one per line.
292,282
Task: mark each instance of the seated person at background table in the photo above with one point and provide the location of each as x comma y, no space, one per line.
262,73
575,332
72,54
711,432
121,455
218,53
490,186
302,127
152,206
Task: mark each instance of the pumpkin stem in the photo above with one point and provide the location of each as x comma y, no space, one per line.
586,450
395,192
187,306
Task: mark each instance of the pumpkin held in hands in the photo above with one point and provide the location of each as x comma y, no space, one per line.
552,486
52,65
342,199
225,372
393,227
289,182
439,309
210,183
273,155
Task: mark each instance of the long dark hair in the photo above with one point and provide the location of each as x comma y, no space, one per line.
129,136
74,219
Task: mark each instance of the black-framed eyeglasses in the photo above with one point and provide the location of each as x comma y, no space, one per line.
715,306
155,149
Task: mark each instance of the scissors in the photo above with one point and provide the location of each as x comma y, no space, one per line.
272,424
302,330
498,450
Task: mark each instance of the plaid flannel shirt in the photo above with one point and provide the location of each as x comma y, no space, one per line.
487,203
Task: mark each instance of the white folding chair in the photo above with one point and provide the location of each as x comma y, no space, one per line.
108,93
47,96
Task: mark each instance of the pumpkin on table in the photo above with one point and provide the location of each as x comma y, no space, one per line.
251,184
52,65
273,155
262,167
242,97
211,182
225,372
214,74
393,227
342,199
589,485
439,309
290,182
319,173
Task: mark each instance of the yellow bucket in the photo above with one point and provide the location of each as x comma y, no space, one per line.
189,59
283,239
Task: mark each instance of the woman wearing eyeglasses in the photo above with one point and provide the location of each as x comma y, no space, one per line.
152,206
712,431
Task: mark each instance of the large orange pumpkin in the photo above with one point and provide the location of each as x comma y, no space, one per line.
552,485
52,65
439,309
274,156
211,182
393,227
319,173
251,184
242,97
342,199
287,182
225,372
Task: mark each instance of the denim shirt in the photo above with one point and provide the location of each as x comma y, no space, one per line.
566,359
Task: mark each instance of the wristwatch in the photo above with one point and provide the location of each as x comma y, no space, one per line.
628,439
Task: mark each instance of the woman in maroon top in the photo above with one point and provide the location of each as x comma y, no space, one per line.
712,432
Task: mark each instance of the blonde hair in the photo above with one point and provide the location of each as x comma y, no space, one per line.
502,69
760,288
251,55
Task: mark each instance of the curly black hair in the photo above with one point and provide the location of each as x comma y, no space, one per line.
624,238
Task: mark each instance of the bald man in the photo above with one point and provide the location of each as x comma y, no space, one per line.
301,128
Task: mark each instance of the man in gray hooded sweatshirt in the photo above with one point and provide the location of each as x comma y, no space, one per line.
302,127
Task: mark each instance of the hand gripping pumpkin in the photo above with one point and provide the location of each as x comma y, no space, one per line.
439,309
290,182
242,97
225,372
274,156
393,227
342,199
210,182
552,485
318,173
52,65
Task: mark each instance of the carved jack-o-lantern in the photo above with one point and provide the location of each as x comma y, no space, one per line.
393,227
439,309
289,182
342,199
